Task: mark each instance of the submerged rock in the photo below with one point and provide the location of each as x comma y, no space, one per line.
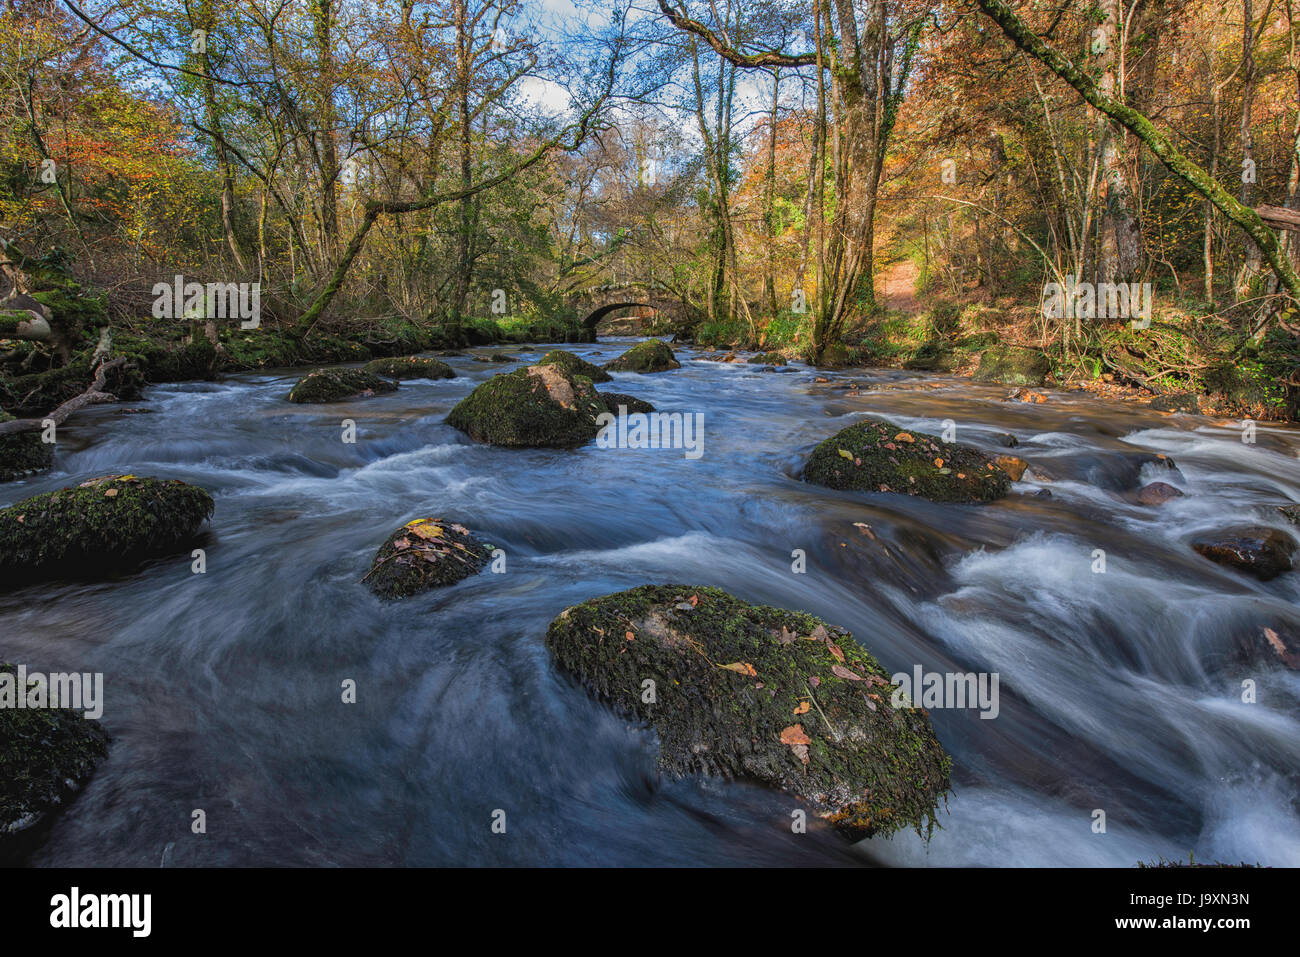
538,406
494,357
1157,493
653,355
334,385
1291,513
1256,550
1012,465
574,365
1013,366
23,453
99,526
877,456
46,756
761,693
423,554
410,367
767,358
614,399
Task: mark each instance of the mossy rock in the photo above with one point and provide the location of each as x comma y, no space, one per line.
536,406
335,385
614,399
410,367
759,693
494,357
767,359
423,554
574,365
877,456
1013,366
23,453
653,355
46,756
99,526
933,357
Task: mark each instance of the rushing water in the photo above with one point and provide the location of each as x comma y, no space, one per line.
1119,691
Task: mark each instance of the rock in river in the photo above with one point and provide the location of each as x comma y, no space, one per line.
46,755
100,527
878,456
652,355
426,553
760,693
574,365
1256,550
538,406
334,385
410,367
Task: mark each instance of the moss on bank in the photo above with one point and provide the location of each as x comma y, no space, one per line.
751,691
99,527
23,453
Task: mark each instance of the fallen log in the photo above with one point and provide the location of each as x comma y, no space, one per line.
94,395
1279,217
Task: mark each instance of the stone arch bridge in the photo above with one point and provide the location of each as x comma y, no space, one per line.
642,305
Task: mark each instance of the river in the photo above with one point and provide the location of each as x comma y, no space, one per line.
1120,691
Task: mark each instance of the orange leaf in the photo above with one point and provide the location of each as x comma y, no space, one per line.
795,735
803,708
741,668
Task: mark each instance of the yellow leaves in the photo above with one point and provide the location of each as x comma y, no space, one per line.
904,437
427,531
741,668
803,708
938,463
845,454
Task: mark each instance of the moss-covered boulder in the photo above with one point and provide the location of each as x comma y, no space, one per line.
423,554
46,756
335,385
614,399
98,527
537,406
494,357
767,359
877,456
574,365
23,453
653,355
760,693
410,367
1013,366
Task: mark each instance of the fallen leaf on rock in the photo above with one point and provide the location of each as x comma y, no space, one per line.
795,734
629,636
845,454
903,437
109,493
803,708
835,650
841,672
938,463
741,668
427,531
820,633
